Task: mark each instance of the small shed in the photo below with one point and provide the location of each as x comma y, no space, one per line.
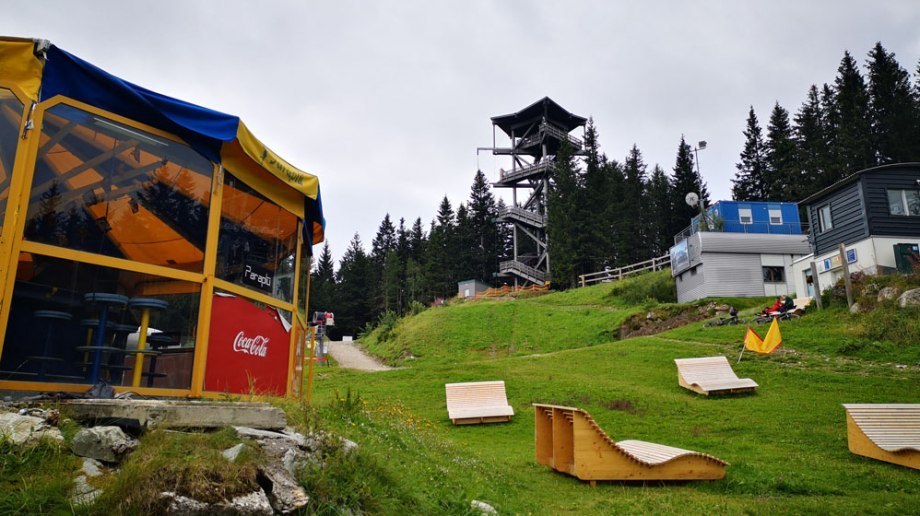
471,287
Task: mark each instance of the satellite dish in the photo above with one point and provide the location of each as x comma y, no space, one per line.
692,199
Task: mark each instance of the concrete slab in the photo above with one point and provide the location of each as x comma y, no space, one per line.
178,414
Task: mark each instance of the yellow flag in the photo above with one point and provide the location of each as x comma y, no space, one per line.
765,346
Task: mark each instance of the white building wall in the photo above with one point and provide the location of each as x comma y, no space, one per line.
871,254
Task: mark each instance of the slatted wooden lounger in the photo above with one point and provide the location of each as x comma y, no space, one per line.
477,402
711,375
570,441
887,432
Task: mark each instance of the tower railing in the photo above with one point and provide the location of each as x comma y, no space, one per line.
526,216
549,129
537,169
529,273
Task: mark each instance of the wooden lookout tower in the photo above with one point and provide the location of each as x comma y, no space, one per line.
536,133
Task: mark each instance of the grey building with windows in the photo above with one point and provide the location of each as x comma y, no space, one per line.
875,213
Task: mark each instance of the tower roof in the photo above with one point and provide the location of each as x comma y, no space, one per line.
545,107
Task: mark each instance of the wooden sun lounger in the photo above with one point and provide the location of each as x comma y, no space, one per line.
711,375
887,432
477,402
570,441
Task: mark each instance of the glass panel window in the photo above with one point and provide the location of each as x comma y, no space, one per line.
108,188
776,216
305,267
824,218
257,241
10,120
912,200
745,216
904,202
68,319
773,274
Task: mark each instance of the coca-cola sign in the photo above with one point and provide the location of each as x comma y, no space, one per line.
255,346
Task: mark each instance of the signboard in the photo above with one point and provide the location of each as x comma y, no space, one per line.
248,349
680,257
258,277
834,261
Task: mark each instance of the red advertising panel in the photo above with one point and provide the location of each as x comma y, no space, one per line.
247,349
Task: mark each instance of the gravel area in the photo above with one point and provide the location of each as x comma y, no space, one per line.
352,356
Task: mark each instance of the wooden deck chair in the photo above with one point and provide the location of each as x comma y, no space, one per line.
711,375
477,402
570,441
887,432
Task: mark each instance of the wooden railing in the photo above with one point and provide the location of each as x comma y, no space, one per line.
527,272
547,128
541,168
655,264
522,215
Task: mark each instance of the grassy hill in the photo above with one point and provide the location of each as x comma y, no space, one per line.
786,444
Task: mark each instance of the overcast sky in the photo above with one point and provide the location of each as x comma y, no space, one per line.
387,101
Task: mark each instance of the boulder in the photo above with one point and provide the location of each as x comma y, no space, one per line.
284,492
92,467
26,429
909,298
233,452
105,443
888,293
855,308
255,503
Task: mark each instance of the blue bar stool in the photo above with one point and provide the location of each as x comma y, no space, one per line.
104,301
51,319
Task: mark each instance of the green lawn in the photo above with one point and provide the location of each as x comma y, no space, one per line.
786,443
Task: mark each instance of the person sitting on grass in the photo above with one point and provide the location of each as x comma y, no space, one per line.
788,304
775,308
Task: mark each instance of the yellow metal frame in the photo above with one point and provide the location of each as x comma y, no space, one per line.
12,244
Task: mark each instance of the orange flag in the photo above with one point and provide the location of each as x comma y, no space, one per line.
764,346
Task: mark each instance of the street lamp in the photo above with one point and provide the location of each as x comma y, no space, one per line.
701,145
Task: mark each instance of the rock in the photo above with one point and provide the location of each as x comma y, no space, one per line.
888,293
349,446
233,452
23,429
870,289
854,309
283,490
909,298
482,507
83,493
259,435
91,467
255,503
184,505
105,443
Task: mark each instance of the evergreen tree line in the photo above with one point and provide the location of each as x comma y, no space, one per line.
857,122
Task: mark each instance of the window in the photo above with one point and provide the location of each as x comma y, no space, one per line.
904,202
773,274
776,216
745,216
257,241
824,218
108,188
11,109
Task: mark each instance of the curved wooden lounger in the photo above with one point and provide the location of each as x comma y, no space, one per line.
887,432
711,375
570,441
477,402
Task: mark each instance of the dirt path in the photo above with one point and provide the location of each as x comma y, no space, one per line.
352,356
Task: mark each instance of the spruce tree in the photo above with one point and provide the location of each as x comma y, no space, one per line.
781,181
749,183
353,284
685,180
483,212
595,241
634,221
322,284
853,142
893,111
441,252
811,146
563,230
659,208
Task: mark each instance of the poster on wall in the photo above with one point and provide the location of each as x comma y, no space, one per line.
680,257
248,349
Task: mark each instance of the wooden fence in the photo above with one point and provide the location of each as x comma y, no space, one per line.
655,264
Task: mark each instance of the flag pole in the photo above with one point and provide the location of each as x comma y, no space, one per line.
742,353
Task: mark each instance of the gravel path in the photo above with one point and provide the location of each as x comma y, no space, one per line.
352,356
